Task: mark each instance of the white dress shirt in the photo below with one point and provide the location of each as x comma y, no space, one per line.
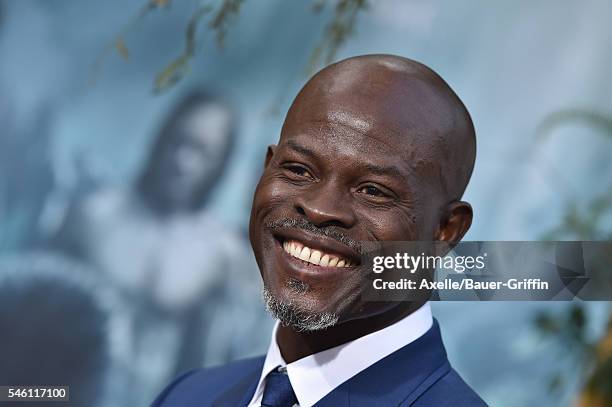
314,376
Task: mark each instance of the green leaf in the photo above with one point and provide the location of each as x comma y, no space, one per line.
220,21
160,3
337,31
179,68
173,73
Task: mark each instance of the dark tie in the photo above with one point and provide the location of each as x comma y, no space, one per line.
278,391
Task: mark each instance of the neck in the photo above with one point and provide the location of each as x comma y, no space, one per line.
295,345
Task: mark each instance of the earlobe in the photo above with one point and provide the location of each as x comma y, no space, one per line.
455,223
269,154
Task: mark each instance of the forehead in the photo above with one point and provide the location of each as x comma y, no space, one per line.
352,140
406,112
407,126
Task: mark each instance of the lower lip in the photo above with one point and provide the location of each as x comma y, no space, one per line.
303,269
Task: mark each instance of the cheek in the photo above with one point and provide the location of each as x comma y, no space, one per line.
390,225
267,199
273,189
416,223
270,194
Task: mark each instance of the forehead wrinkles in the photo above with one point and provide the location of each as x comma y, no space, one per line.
336,140
417,148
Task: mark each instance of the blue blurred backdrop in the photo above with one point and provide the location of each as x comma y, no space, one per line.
88,150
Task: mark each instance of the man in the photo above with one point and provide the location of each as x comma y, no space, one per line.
373,148
172,259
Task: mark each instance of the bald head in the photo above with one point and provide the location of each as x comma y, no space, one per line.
401,103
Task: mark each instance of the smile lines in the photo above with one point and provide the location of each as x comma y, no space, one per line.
316,257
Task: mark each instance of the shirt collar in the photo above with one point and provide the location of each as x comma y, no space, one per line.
314,376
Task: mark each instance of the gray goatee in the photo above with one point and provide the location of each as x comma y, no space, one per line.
293,316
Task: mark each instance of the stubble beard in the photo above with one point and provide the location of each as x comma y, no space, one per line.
292,315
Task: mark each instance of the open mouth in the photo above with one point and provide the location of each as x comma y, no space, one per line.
313,256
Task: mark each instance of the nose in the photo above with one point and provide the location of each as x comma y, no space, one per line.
324,204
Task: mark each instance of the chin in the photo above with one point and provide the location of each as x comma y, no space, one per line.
310,299
293,311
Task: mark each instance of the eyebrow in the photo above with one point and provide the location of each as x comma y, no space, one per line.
385,170
382,170
300,149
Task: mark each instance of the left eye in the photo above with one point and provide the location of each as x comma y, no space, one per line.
371,190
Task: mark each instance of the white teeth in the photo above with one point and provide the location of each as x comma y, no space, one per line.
324,261
305,255
312,256
315,257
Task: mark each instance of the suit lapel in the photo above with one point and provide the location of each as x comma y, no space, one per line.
241,393
339,397
397,378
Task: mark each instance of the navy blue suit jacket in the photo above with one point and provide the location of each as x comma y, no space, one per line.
416,375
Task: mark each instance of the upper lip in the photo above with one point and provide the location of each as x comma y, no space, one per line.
322,243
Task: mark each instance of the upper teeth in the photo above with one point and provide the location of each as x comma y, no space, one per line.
298,250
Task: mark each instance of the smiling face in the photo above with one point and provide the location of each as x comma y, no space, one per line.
366,154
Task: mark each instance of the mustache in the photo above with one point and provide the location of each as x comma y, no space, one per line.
315,230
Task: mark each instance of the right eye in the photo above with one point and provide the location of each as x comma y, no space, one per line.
298,170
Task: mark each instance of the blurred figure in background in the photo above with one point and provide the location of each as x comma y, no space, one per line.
27,174
188,157
45,341
25,165
170,257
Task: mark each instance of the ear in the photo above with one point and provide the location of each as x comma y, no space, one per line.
455,222
270,154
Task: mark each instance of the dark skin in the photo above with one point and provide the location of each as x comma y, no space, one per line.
373,148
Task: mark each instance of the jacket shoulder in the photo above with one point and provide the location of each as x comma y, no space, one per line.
196,387
450,390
